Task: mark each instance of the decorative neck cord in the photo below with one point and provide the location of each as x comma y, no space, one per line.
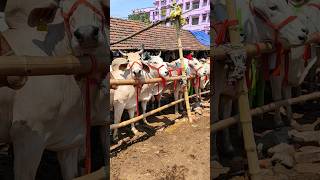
276,28
89,81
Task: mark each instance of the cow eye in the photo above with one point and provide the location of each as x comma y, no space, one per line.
273,8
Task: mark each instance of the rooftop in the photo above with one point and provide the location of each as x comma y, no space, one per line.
159,38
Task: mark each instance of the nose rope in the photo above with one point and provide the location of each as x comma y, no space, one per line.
89,82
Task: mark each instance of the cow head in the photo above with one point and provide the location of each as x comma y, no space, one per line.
158,66
206,65
197,67
85,23
278,16
134,65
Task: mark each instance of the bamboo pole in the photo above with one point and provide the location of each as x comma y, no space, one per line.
138,118
48,65
184,78
146,81
263,109
244,109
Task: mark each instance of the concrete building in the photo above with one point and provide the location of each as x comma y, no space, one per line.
197,13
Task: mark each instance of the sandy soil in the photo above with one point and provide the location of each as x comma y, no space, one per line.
179,151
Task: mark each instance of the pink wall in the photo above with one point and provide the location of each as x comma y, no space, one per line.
202,12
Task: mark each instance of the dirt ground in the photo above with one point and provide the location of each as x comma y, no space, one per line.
178,151
298,154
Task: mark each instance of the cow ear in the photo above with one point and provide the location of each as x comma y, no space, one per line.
146,68
123,67
44,15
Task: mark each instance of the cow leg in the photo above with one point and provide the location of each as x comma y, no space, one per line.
276,86
214,118
68,160
118,110
287,94
198,99
181,104
158,97
28,147
133,128
176,97
144,107
153,102
226,112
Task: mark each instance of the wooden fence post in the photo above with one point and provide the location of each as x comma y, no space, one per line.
184,76
244,109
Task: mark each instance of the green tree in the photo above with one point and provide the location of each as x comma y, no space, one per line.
142,17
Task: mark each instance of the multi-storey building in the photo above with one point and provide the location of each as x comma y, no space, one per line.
196,12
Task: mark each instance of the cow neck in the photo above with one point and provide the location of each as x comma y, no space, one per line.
178,70
196,83
163,80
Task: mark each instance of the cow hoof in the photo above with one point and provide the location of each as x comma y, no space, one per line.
278,124
228,151
115,139
135,132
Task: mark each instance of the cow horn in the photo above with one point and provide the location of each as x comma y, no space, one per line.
122,53
159,54
141,51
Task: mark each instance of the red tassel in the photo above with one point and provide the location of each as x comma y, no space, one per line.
307,53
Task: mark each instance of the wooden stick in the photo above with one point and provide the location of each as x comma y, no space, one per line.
48,65
244,109
138,118
263,109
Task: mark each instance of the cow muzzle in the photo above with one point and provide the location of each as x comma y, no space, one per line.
87,37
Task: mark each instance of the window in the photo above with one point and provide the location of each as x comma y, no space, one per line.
204,17
195,5
187,5
205,2
163,12
163,2
195,20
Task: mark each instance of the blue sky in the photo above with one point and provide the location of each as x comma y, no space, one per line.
122,8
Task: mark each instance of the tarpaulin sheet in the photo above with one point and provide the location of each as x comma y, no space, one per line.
202,37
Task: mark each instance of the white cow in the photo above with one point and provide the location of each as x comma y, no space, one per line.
48,111
265,14
193,68
297,71
125,97
201,77
204,80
